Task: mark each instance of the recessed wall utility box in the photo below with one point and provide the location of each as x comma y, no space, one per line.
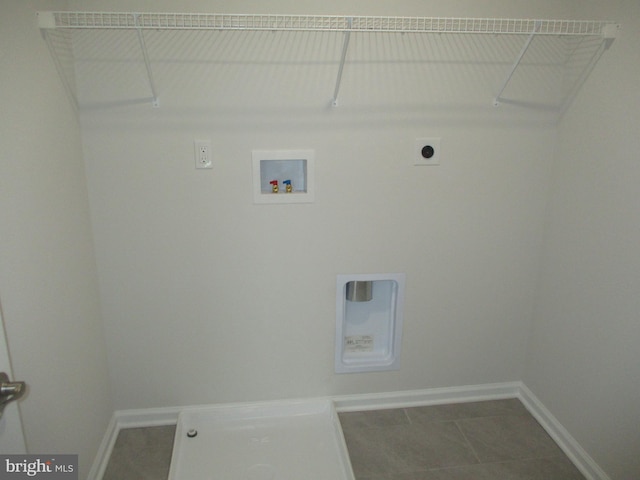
427,151
283,176
368,322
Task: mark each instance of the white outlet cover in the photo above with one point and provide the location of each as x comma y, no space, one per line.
428,156
203,153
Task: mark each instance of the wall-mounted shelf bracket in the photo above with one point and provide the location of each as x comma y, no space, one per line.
155,101
525,47
609,32
47,24
345,47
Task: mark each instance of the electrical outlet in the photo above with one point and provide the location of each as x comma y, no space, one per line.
427,151
203,153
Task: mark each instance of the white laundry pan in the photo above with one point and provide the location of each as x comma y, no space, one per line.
289,440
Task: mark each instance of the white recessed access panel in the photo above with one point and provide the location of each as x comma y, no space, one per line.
368,322
283,176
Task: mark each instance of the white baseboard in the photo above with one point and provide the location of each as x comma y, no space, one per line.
432,396
104,450
569,445
347,403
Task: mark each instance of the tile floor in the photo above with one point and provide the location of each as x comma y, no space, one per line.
141,454
466,441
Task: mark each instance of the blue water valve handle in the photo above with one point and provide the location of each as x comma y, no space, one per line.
288,186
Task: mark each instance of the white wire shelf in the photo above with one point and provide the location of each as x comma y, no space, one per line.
214,21
604,32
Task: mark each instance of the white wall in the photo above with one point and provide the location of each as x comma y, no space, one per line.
48,281
584,360
209,298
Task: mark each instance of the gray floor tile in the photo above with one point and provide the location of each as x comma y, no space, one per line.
141,454
369,456
508,437
406,448
375,418
556,468
461,411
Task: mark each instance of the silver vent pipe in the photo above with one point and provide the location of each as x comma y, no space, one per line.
359,291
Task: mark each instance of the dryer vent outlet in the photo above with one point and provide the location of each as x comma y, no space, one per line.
427,151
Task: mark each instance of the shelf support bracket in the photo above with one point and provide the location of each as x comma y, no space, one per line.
46,22
143,46
345,47
608,36
536,29
68,88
